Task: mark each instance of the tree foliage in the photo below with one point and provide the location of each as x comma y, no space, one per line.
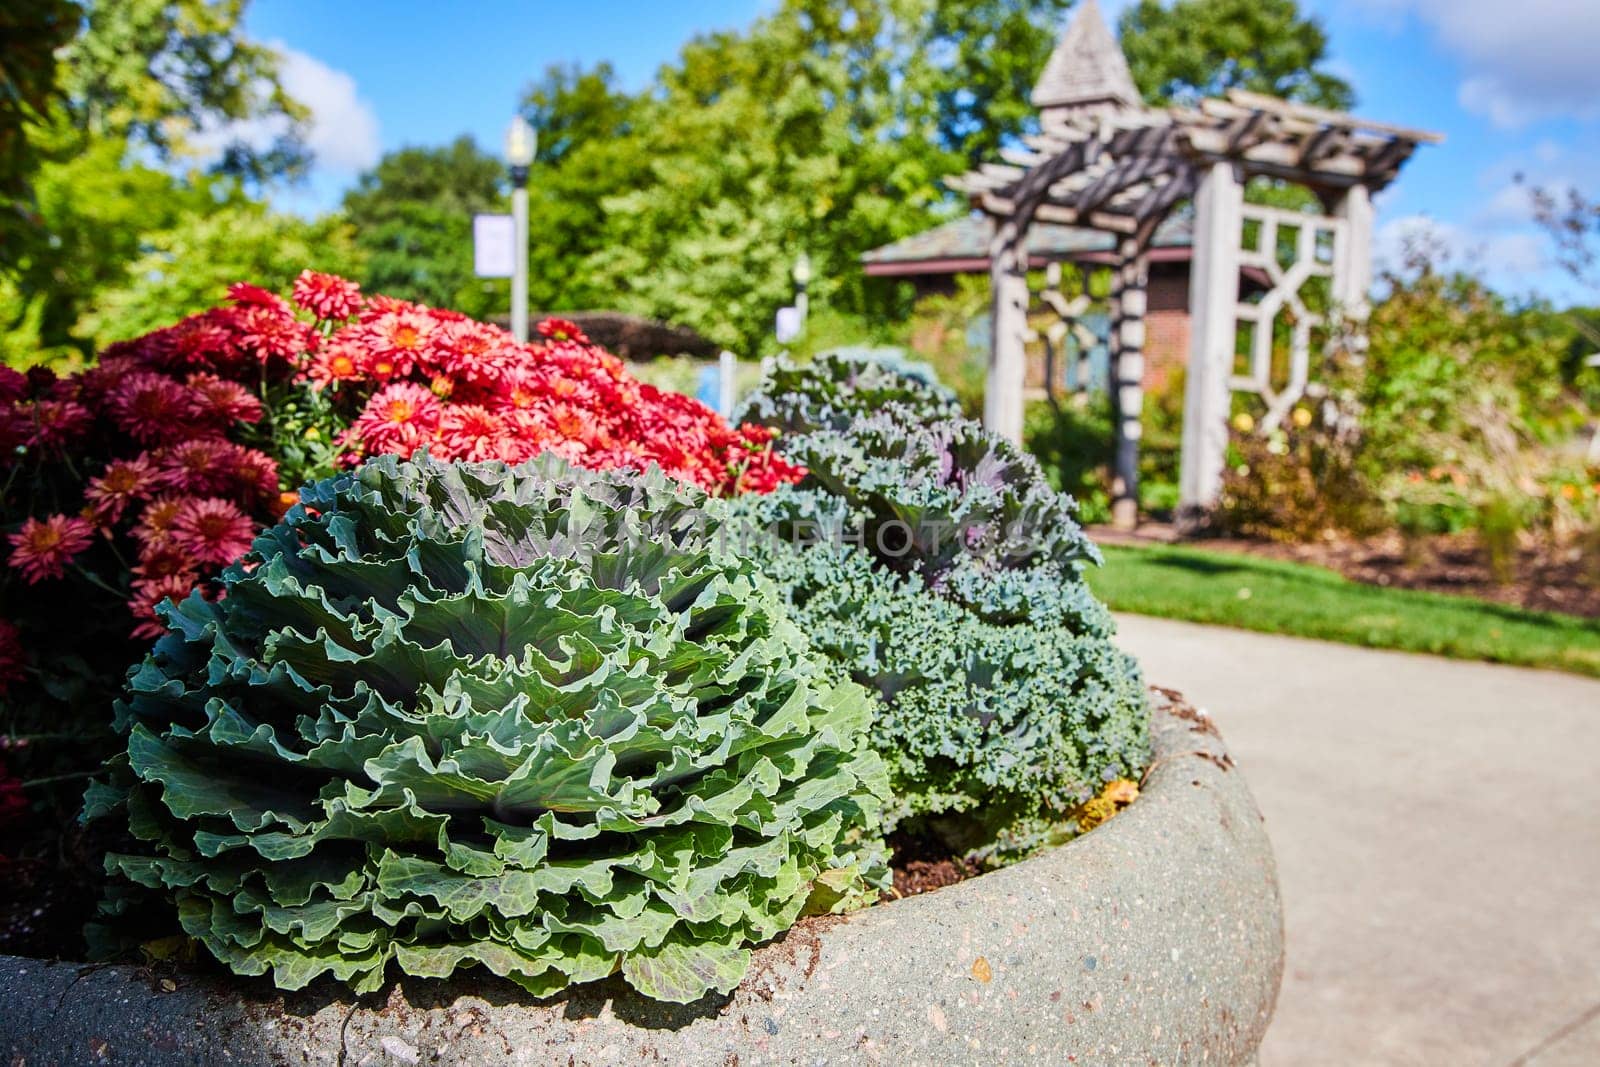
165,75
1182,50
412,215
188,268
30,33
149,117
828,127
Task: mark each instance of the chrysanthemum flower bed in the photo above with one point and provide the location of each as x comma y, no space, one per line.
139,478
153,432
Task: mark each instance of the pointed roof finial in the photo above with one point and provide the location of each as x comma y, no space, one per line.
1087,71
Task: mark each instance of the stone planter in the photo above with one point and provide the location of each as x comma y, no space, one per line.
1158,938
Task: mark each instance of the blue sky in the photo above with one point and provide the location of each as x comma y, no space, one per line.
1513,86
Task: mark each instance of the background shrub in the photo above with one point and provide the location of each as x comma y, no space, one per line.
530,719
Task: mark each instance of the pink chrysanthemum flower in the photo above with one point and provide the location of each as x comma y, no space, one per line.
42,549
213,530
55,424
122,482
202,466
156,521
150,407
151,594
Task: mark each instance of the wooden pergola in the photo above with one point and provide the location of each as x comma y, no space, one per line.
1103,161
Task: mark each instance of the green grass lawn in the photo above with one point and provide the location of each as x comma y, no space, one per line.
1306,601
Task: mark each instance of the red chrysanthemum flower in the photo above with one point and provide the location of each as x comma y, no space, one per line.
246,295
156,521
12,658
205,340
379,305
150,407
337,361
42,550
52,425
275,335
562,330
122,482
327,296
394,343
399,419
471,432
13,384
150,595
213,530
218,402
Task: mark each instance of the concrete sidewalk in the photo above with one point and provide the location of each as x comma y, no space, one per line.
1437,829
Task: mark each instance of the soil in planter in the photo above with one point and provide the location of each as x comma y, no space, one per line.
48,895
923,863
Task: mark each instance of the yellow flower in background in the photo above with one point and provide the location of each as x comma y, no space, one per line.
1302,417
1244,422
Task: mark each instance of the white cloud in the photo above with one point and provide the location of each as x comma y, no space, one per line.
1503,257
344,130
342,133
1525,60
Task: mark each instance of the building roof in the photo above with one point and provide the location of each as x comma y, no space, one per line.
1087,67
962,245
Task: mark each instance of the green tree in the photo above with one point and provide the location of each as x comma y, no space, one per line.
590,148
1182,50
412,215
97,211
794,135
167,75
189,267
119,123
990,54
30,33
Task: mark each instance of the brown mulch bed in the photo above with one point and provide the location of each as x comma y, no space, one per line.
1565,580
922,863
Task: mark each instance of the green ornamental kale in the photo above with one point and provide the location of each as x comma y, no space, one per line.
933,564
832,391
534,719
946,500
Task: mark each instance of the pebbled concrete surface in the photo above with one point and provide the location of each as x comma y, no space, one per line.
1155,939
1437,830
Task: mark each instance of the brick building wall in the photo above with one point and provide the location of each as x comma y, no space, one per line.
1166,323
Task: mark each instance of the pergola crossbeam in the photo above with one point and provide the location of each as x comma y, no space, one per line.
1105,162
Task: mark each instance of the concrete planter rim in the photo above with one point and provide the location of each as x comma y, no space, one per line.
1158,937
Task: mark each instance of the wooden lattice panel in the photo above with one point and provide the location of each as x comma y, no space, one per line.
1317,247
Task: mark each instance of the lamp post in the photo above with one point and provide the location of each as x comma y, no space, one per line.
802,279
521,143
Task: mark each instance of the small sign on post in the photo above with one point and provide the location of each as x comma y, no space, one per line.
494,245
788,324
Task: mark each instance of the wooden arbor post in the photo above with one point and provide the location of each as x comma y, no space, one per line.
1008,361
1129,281
1213,299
